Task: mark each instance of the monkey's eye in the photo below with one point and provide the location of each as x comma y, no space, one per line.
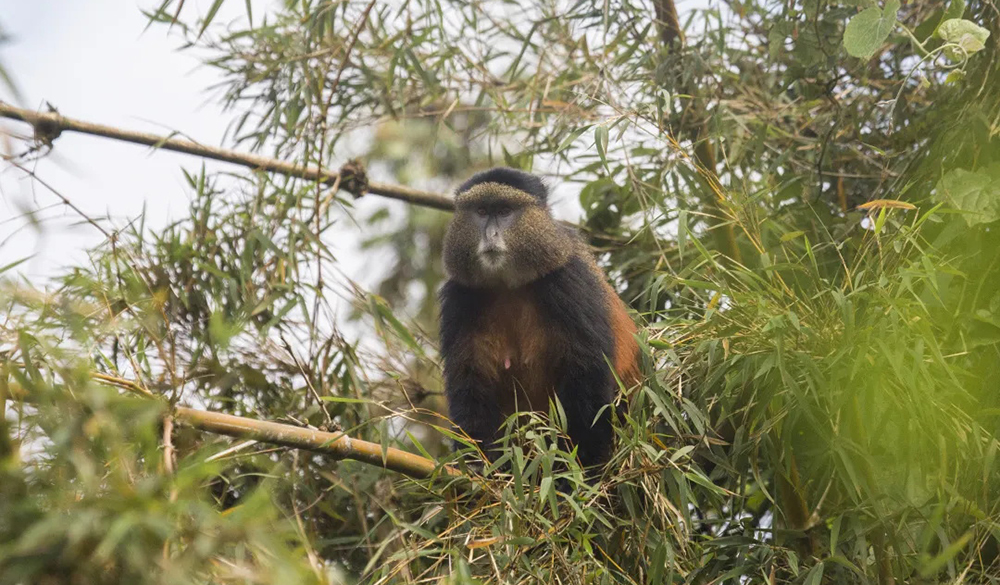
481,211
504,211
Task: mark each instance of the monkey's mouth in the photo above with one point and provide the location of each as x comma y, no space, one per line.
492,257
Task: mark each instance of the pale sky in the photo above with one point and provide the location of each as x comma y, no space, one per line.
91,60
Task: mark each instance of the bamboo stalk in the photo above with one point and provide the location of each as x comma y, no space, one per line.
337,445
672,37
48,125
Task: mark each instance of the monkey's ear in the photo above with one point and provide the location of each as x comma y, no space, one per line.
520,180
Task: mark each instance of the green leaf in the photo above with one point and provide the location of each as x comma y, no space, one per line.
835,534
570,139
815,576
680,453
545,488
975,192
937,563
956,8
383,311
601,142
880,220
969,36
866,32
14,264
658,563
955,76
682,232
419,445
221,331
346,400
208,17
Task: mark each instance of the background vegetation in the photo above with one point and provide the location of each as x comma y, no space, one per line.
798,199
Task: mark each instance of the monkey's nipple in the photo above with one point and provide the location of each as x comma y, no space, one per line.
506,363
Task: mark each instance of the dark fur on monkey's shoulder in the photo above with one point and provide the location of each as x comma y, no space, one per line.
527,315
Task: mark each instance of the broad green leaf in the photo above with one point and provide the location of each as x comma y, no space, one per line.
969,36
880,220
658,563
975,192
956,8
866,32
221,331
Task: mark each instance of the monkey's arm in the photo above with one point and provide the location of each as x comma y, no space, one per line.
472,405
574,304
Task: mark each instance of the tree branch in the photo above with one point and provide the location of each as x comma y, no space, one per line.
48,126
337,445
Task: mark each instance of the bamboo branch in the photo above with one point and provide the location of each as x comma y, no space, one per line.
48,126
351,177
337,445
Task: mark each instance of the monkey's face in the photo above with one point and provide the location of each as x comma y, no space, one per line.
498,237
493,222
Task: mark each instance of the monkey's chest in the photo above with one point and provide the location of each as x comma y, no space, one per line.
516,351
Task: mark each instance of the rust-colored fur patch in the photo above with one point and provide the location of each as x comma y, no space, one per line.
513,348
626,358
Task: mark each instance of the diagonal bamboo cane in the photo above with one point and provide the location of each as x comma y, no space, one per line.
48,125
338,445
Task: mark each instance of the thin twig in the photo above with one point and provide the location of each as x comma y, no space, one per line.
234,449
168,444
55,192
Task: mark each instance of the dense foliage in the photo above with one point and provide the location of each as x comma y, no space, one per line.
799,200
